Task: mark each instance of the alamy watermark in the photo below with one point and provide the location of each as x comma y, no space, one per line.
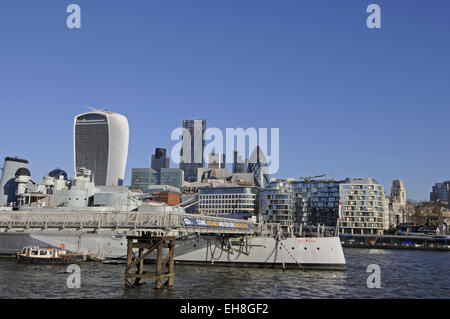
374,280
190,144
73,21
374,19
74,279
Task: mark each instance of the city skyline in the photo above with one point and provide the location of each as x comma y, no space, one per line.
128,177
349,101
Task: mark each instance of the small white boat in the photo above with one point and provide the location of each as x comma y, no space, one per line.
36,255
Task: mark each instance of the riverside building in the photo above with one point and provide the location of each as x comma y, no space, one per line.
278,201
317,203
242,201
364,209
306,204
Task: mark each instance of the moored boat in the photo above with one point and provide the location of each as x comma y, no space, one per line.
37,255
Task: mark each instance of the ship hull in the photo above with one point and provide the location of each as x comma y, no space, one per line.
323,253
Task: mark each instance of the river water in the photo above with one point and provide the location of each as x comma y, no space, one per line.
404,274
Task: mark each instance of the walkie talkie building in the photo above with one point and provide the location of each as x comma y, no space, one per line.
101,145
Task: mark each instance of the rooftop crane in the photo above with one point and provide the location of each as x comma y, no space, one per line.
310,178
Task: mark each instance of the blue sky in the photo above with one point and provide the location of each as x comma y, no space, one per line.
348,100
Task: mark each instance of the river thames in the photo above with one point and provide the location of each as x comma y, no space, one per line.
404,274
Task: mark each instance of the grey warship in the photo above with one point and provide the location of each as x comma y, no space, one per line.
95,220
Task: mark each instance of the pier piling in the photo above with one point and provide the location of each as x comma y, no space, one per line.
165,265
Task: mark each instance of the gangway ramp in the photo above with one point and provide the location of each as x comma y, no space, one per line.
127,221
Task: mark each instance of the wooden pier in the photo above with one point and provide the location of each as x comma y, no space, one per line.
147,245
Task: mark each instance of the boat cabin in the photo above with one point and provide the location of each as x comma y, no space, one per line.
36,252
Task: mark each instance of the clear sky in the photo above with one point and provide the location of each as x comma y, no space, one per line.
348,100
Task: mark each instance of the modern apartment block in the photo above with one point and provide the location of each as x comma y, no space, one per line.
101,145
279,204
308,203
317,203
242,201
193,144
364,208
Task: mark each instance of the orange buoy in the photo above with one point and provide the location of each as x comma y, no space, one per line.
62,246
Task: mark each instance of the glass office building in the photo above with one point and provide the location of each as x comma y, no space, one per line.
240,164
142,178
160,160
440,192
173,177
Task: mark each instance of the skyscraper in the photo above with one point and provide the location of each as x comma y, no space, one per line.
216,160
159,159
193,144
240,164
258,166
101,145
